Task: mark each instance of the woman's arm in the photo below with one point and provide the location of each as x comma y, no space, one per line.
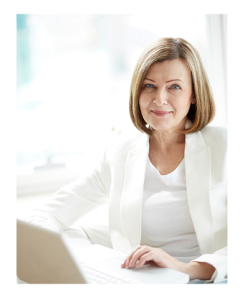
72,202
199,270
142,254
218,260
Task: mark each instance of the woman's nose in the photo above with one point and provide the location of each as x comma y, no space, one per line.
161,97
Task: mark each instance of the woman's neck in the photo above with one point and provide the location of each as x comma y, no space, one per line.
165,140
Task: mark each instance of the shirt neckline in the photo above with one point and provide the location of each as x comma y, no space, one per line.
171,174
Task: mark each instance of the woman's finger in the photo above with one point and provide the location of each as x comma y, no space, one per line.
144,258
137,255
128,258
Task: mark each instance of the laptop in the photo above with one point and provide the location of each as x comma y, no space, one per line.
44,256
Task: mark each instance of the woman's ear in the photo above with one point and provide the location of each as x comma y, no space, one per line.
193,100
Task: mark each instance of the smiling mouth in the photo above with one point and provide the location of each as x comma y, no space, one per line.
160,113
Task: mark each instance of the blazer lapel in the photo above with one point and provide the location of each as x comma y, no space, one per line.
198,181
132,193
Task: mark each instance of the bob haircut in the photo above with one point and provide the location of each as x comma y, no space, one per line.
202,112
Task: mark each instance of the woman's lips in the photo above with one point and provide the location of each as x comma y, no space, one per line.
160,113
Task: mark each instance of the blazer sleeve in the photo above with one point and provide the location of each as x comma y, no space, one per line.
218,260
216,138
73,201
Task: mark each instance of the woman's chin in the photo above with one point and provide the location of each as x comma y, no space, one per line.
168,126
161,127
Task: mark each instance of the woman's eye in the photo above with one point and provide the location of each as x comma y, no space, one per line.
175,87
148,85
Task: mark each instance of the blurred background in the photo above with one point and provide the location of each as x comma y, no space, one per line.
73,80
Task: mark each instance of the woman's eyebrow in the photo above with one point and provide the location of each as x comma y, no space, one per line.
174,80
150,79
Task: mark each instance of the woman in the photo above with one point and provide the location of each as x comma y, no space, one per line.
166,187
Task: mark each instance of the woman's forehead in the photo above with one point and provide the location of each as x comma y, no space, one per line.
170,68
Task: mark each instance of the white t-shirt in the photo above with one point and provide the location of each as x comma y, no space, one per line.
166,220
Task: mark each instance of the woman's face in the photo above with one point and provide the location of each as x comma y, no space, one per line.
166,95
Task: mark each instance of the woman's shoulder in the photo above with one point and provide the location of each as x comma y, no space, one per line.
215,134
135,141
215,137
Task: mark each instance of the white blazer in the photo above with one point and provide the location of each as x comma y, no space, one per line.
119,180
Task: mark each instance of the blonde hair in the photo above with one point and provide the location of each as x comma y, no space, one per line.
202,112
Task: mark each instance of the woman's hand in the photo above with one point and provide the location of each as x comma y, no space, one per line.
143,254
